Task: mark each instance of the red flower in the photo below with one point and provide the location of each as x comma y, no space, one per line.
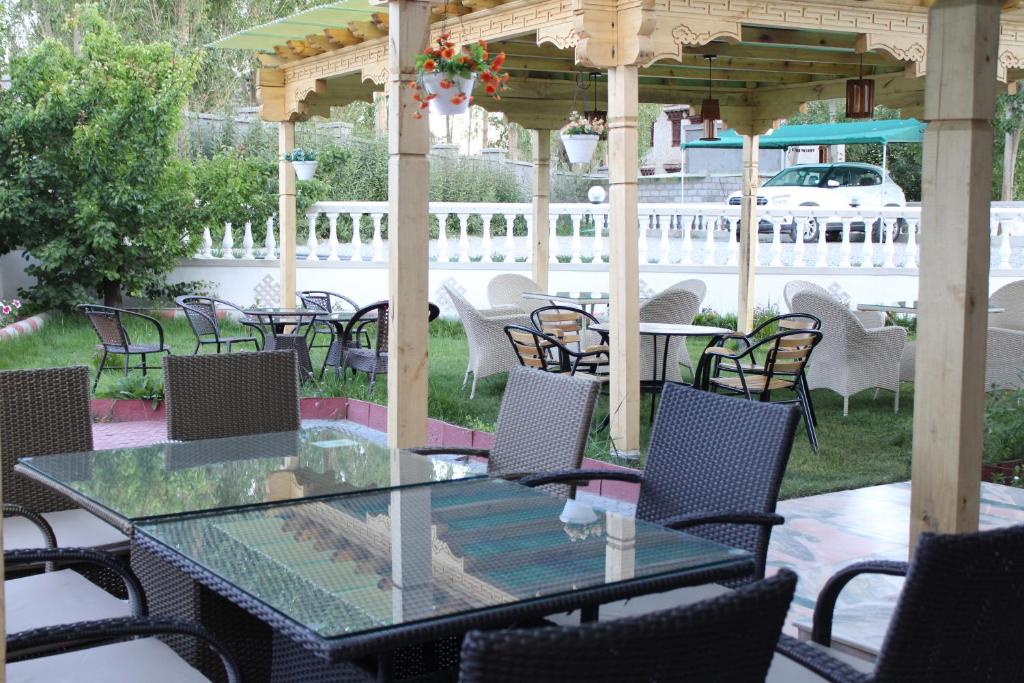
498,61
429,65
457,99
448,53
446,84
449,44
444,36
424,105
482,43
417,97
429,97
490,88
412,85
504,78
486,77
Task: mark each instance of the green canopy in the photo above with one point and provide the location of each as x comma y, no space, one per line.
298,26
855,133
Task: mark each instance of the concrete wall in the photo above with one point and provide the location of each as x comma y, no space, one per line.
695,187
12,274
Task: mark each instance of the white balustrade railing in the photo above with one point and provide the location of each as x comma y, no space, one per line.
667,235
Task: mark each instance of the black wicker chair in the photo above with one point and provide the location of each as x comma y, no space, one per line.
543,425
123,645
714,468
46,412
201,313
728,638
959,617
214,396
328,302
114,339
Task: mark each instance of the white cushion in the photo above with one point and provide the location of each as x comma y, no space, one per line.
60,597
646,604
132,661
74,529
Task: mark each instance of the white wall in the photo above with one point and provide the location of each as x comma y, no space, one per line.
12,274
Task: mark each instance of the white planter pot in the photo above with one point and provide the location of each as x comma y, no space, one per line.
304,170
580,148
442,104
576,512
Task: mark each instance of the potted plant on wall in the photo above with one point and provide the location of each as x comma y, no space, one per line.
447,75
303,161
580,137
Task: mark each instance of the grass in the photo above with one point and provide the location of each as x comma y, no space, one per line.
870,446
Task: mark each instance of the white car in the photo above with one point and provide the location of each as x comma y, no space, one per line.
831,186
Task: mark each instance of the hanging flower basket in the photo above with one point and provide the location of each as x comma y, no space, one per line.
448,74
304,163
580,137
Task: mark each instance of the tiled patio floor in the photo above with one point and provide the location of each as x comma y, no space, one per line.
822,534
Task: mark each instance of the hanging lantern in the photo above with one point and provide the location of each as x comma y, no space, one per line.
860,96
710,111
596,114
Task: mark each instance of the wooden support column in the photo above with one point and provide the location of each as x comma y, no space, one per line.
408,223
286,212
623,261
748,235
541,203
949,396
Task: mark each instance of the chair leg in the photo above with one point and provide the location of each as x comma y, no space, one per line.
810,403
99,370
465,378
195,351
144,368
127,363
896,400
472,390
846,406
812,433
218,347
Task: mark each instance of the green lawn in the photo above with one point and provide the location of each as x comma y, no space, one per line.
871,446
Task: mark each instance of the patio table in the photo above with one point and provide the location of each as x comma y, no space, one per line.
359,580
277,321
905,309
127,486
588,301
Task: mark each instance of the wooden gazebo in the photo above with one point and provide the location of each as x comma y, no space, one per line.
942,61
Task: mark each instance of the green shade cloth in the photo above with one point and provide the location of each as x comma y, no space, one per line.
298,26
854,133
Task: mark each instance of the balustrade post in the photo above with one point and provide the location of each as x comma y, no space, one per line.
775,256
553,238
510,239
1005,227
486,242
577,245
844,251
228,243
529,239
799,246
207,251
269,243
663,250
686,228
868,248
642,243
821,252
442,237
357,238
911,250
378,240
311,242
733,254
332,237
709,239
890,243
247,242
463,237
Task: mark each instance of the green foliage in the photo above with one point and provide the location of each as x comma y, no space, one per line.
135,386
300,155
232,187
1004,426
712,318
89,182
1015,479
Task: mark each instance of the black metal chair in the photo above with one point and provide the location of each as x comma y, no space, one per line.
538,350
201,313
328,302
728,638
959,616
714,468
114,338
347,352
783,359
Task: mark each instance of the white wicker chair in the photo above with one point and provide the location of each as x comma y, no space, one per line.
1011,299
1004,360
869,319
851,358
489,350
677,305
506,291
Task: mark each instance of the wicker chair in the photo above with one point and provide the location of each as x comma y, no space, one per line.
201,313
489,351
348,351
714,468
114,338
869,319
214,396
850,358
677,305
329,302
46,412
1011,299
506,291
1004,360
728,638
958,618
543,425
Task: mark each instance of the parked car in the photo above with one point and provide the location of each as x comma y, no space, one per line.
830,186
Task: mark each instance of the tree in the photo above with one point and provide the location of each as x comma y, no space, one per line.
1010,121
90,185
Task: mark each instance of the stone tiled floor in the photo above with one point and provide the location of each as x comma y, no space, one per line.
822,534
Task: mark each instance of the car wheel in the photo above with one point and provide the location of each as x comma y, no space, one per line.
810,231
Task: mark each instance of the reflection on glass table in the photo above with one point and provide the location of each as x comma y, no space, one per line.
124,485
355,575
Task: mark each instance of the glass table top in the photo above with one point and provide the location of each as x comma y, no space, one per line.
173,478
368,561
596,297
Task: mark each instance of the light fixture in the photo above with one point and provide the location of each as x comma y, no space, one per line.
710,111
595,113
860,95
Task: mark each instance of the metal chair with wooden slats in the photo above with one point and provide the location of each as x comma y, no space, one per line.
536,349
569,325
785,357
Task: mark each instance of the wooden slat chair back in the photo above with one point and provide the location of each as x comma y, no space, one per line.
532,348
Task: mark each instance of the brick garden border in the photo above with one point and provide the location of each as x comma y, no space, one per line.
23,327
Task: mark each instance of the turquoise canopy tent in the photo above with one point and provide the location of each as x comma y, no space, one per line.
855,133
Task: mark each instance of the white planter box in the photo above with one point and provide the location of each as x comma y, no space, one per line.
580,148
442,104
304,170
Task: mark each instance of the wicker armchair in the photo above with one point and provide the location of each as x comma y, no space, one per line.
145,658
489,351
506,291
728,638
201,313
850,358
677,305
543,425
958,618
46,412
869,319
114,338
214,396
1004,360
714,468
1010,298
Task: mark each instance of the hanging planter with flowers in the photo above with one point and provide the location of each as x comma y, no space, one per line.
447,76
303,161
580,137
